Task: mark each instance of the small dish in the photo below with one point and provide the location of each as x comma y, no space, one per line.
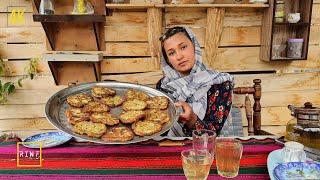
297,170
48,139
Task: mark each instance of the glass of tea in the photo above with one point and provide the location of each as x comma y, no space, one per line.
204,140
196,164
228,155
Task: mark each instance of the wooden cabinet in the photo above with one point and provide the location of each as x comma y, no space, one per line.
276,34
67,32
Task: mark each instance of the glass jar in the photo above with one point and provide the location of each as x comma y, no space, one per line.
294,49
279,12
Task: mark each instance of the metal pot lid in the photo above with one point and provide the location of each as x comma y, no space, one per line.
308,109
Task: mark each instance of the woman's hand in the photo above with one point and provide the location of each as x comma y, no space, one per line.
188,115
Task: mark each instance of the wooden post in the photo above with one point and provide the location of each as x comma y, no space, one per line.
257,106
248,108
215,18
154,32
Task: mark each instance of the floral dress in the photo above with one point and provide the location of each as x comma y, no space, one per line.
219,101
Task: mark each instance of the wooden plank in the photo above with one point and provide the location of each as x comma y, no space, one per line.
17,68
240,36
39,82
271,116
5,4
22,35
281,82
110,65
21,51
154,31
22,111
213,33
149,78
4,21
182,16
315,18
22,124
127,49
242,17
126,33
127,19
31,96
276,130
314,34
247,59
282,98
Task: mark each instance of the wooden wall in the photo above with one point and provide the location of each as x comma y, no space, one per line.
128,57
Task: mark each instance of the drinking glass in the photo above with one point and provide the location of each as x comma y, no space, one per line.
196,164
277,49
228,155
204,140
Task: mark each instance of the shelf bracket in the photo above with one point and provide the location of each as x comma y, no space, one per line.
96,35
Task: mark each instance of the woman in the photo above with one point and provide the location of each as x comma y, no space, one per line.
204,95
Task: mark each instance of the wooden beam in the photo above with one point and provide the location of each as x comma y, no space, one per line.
213,33
154,32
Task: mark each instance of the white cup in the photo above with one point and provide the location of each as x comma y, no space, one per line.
293,152
293,17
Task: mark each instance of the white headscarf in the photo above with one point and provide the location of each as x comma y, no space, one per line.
192,88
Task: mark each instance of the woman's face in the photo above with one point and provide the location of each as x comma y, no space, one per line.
180,53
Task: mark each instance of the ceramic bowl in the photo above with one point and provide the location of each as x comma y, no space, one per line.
258,1
293,17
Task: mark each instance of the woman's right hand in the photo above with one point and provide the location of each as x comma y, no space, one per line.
188,116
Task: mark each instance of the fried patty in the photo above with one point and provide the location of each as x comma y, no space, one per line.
112,101
128,117
75,115
146,128
104,118
89,128
135,94
100,92
160,116
158,102
134,105
95,106
79,100
118,133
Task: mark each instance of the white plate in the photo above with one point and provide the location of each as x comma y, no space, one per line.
48,139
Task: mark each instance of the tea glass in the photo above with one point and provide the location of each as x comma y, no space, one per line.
204,140
293,152
228,155
196,164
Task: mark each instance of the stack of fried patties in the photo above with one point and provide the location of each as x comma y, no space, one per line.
141,115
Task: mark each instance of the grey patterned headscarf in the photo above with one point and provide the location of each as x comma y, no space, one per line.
192,88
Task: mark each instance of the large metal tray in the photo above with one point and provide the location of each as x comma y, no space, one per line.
57,105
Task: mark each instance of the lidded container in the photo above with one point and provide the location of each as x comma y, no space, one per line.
305,126
279,11
294,48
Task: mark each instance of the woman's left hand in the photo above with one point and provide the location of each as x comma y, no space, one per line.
188,115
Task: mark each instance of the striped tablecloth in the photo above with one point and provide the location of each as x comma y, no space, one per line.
136,161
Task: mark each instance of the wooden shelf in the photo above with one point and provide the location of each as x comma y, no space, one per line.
70,32
69,18
292,24
144,6
213,5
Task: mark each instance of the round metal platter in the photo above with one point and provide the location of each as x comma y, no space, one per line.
57,105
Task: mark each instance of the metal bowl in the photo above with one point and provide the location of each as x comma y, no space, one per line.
57,105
